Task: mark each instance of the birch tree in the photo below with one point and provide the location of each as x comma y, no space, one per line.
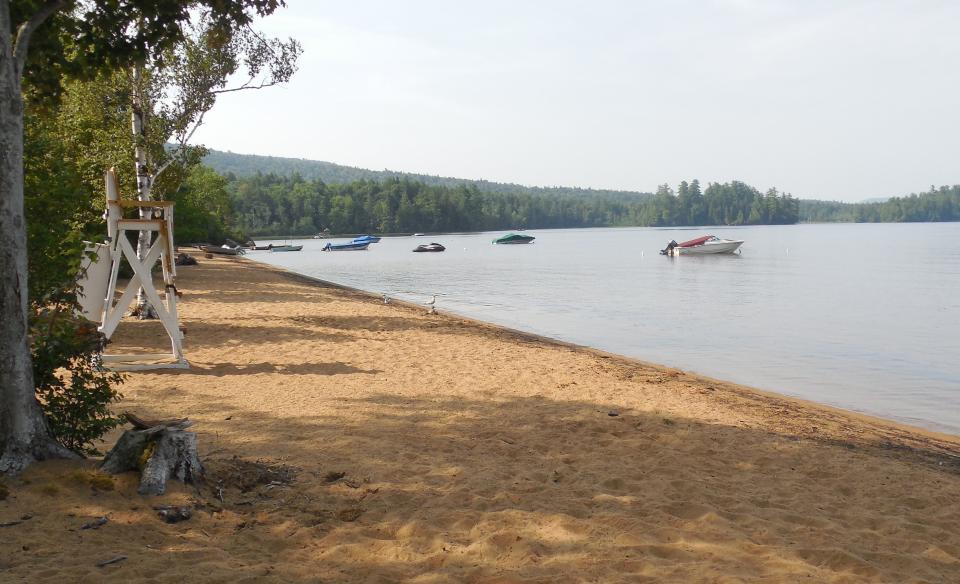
171,95
113,34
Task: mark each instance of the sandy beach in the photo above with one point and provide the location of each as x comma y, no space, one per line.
351,441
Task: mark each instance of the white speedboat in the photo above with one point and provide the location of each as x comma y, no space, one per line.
705,245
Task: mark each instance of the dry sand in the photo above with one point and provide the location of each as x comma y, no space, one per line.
476,454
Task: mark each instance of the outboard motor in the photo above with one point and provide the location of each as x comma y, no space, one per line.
669,248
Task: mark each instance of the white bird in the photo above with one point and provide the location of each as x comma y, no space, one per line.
386,299
432,303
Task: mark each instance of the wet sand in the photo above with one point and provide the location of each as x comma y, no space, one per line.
433,449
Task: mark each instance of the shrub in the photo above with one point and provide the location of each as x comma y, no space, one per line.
73,388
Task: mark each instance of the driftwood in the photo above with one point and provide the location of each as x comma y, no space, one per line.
113,560
160,449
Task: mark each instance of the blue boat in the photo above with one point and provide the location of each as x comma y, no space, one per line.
366,239
351,246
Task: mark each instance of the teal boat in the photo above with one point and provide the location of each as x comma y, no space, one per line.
514,238
286,248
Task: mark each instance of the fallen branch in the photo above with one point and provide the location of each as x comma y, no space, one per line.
111,561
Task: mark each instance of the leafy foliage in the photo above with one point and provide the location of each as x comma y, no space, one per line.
74,391
83,39
203,208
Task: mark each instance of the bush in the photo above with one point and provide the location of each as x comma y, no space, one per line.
74,390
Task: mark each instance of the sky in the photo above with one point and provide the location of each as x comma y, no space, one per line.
839,100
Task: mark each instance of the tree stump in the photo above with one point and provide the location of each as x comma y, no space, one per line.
160,450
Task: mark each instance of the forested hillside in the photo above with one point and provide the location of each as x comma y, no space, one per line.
247,165
288,196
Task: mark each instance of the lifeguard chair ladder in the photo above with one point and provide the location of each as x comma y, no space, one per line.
161,249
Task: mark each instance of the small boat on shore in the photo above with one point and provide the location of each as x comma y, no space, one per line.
429,247
514,238
223,250
419,234
349,246
366,239
286,248
704,245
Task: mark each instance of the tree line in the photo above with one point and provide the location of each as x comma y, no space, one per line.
268,204
937,204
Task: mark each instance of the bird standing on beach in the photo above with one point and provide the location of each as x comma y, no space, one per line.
386,299
432,303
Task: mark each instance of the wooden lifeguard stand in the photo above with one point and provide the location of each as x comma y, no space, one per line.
162,250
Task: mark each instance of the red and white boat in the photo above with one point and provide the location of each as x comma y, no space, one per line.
707,244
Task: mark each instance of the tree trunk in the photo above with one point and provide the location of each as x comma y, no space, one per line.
144,178
170,451
24,436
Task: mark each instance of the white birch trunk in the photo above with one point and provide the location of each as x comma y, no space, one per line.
24,436
140,107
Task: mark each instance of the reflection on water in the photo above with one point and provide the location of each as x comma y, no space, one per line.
865,317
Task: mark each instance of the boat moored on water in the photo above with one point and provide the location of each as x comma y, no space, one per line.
429,247
366,239
349,246
514,238
286,248
704,245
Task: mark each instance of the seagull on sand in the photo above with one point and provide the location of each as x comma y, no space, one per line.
432,303
386,299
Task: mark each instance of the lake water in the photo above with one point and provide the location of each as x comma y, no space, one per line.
863,317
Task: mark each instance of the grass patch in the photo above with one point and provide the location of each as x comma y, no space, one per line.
96,480
50,489
668,422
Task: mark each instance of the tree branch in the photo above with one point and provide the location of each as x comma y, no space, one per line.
181,147
246,86
25,31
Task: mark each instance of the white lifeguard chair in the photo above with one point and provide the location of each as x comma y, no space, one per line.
106,308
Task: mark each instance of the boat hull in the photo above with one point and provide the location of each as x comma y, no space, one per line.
286,248
346,246
222,250
709,248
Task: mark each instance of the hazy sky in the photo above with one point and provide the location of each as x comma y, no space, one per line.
837,99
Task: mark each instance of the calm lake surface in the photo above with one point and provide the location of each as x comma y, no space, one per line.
863,317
